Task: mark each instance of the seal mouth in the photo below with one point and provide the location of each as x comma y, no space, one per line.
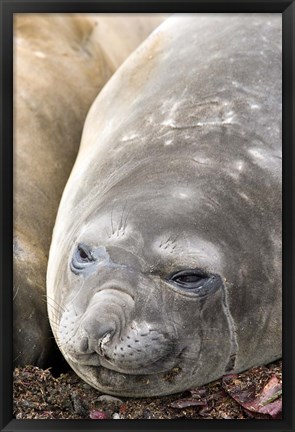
132,385
159,365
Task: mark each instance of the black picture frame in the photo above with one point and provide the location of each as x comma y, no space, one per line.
7,9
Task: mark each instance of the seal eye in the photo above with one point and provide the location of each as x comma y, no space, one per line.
84,252
82,258
191,279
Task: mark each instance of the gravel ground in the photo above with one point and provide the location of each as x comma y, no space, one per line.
255,393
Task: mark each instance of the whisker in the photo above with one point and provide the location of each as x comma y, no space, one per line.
60,345
17,357
112,220
82,285
169,238
55,308
121,221
127,215
16,293
57,304
52,321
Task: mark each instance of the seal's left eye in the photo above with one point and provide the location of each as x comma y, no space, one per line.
190,279
187,279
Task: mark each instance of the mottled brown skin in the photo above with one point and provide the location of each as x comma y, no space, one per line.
61,62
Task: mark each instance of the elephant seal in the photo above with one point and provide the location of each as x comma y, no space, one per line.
61,63
165,262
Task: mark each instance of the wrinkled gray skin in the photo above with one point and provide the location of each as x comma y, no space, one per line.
179,168
61,62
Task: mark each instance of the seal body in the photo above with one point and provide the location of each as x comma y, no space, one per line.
165,263
61,63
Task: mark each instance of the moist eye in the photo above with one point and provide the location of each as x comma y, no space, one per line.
190,279
82,252
82,258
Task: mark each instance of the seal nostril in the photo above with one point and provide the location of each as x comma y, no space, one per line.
101,347
84,344
105,338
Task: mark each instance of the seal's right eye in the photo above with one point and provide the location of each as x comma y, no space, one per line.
82,258
84,253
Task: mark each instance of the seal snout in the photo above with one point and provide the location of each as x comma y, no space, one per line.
96,337
103,320
127,346
107,335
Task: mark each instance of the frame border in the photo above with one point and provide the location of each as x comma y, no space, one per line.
7,9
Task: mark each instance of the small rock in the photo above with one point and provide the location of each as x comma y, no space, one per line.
147,414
